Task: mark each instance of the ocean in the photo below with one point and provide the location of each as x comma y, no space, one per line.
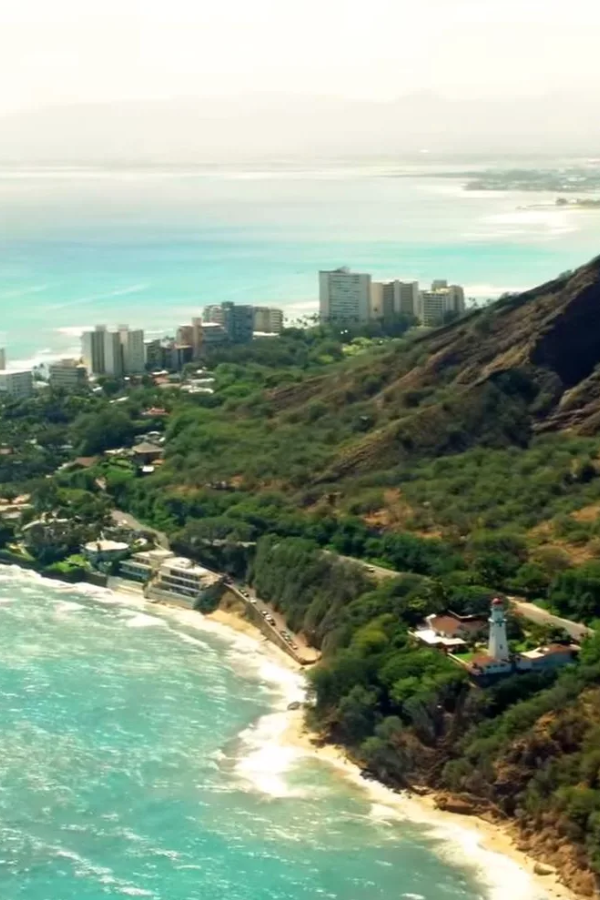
141,757
152,247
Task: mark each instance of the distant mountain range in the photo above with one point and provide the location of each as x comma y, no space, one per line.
186,131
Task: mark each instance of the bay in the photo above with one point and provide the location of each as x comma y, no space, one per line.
152,247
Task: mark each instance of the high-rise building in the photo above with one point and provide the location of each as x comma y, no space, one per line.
113,354
18,385
376,310
268,320
154,355
132,345
213,334
67,375
92,350
436,305
197,336
185,335
2,359
344,296
238,322
394,298
215,313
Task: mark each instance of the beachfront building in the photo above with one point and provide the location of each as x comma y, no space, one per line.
17,384
268,320
213,334
104,551
2,359
441,302
132,348
92,350
344,297
214,313
237,320
185,335
394,298
113,354
67,375
153,355
142,567
400,298
175,579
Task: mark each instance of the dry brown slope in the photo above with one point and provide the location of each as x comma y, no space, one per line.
539,348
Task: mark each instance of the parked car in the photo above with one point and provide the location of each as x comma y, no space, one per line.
265,613
271,620
370,570
253,601
294,646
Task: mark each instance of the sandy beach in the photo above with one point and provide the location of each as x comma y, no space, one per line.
494,838
491,837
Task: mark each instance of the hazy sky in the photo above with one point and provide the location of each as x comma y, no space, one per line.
61,51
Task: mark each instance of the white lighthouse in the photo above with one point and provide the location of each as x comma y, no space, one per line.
498,643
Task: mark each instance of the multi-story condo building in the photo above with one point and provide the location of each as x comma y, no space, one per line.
185,335
214,313
211,334
441,300
18,385
2,359
238,322
132,346
92,350
400,298
268,320
67,375
167,576
113,354
153,354
344,296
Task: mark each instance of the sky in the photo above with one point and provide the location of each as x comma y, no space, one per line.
73,51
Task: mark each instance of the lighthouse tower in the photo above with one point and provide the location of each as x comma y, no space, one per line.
498,643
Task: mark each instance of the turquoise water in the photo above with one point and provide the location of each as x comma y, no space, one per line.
141,758
152,248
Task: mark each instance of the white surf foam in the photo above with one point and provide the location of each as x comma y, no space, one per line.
267,761
144,621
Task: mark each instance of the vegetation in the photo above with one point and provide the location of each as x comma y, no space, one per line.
465,461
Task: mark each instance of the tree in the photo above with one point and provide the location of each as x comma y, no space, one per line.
104,430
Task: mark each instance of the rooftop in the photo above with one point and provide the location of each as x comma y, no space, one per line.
105,546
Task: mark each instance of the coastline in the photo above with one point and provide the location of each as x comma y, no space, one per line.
490,837
474,833
481,834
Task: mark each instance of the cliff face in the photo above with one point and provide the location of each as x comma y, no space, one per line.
525,365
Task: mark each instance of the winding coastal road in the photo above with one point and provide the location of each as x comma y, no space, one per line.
576,630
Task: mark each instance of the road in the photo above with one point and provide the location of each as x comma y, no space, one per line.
542,617
122,518
529,611
378,571
302,652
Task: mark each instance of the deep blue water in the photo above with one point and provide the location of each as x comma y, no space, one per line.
141,758
151,249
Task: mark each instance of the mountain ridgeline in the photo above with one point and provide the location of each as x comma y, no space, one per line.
524,366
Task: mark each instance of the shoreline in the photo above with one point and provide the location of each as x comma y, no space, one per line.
490,837
494,838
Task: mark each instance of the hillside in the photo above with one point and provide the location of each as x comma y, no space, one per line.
523,366
472,446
